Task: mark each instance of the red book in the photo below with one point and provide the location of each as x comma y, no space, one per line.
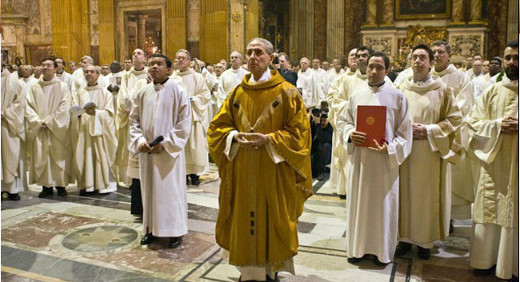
372,121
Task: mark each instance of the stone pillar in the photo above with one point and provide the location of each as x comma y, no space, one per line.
512,21
371,10
320,29
388,13
476,11
335,29
457,14
302,29
141,31
93,9
353,16
193,24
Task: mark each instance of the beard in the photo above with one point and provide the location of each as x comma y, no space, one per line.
512,72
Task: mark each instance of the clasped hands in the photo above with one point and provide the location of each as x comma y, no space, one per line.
419,131
359,138
250,140
145,148
509,125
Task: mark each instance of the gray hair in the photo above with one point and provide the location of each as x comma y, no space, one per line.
89,58
240,54
268,45
443,43
185,52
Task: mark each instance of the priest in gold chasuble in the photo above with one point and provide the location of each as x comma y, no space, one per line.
261,140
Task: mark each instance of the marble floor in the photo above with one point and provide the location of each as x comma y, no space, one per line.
95,238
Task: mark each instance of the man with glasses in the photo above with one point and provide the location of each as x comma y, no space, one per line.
48,140
261,141
233,76
424,193
196,150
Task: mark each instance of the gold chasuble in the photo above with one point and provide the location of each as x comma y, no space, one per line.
262,191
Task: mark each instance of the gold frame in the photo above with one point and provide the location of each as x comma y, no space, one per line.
399,16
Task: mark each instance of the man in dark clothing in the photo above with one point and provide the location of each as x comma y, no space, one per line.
321,147
285,69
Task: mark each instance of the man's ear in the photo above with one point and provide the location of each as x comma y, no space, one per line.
271,58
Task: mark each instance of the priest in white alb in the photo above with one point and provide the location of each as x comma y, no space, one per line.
128,166
162,109
48,140
93,137
373,202
494,120
462,184
424,192
233,76
338,96
13,136
197,161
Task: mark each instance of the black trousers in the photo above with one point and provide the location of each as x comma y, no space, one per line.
136,203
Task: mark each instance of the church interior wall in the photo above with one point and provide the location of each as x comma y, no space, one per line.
324,29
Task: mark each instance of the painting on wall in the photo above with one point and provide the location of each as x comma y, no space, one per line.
422,9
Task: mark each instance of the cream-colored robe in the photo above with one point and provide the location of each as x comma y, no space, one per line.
230,78
13,134
495,211
424,192
196,151
49,148
373,202
94,141
65,77
162,110
402,76
462,184
131,82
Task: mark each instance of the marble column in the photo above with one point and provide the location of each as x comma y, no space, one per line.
457,14
141,31
512,21
302,29
353,16
320,29
93,9
388,12
335,29
371,10
476,11
193,24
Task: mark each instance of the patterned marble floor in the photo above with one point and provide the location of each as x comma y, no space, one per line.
94,238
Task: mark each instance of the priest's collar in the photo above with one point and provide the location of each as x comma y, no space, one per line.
160,83
376,85
265,77
422,82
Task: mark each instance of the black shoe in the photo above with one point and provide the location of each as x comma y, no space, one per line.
452,228
343,197
377,262
514,279
194,180
275,279
423,253
14,197
46,192
354,260
147,239
61,191
402,249
484,272
175,242
321,177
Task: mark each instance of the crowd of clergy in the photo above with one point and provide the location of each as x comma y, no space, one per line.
450,149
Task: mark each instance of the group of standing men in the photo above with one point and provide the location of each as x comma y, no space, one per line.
444,146
153,124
